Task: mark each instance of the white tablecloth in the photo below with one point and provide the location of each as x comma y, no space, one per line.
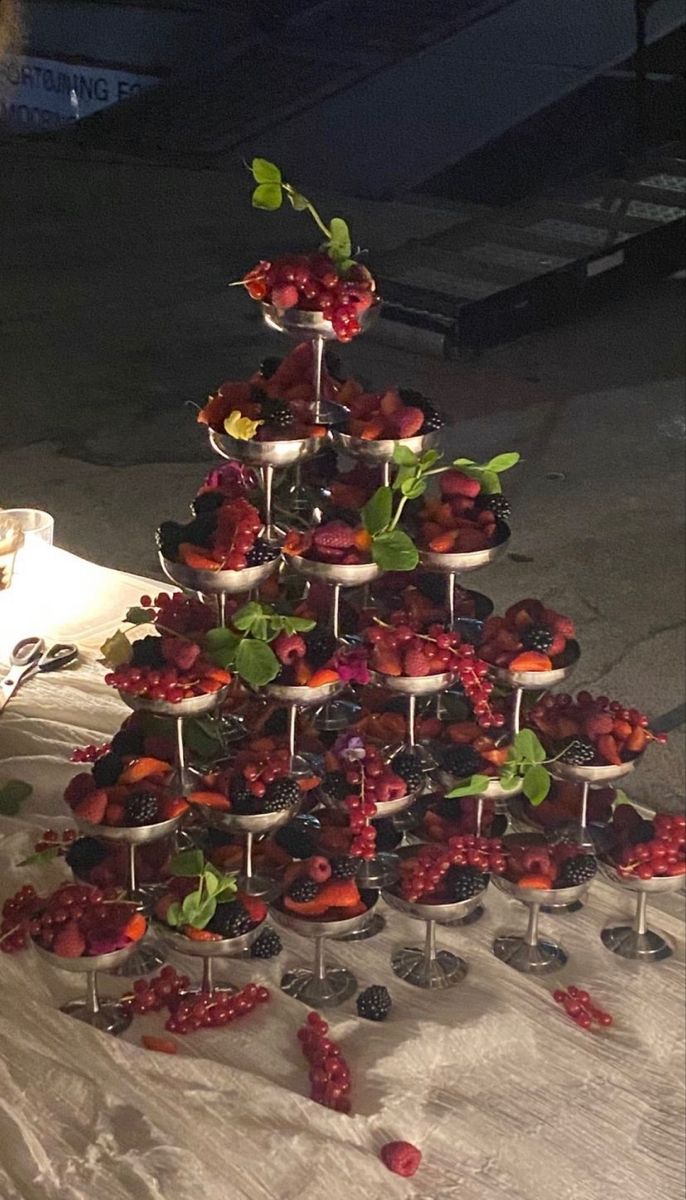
505,1097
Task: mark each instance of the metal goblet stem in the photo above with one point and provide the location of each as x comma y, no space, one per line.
517,710
185,783
531,935
335,611
584,837
411,719
450,598
109,1018
271,532
318,355
292,720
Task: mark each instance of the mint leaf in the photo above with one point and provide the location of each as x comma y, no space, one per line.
117,649
376,513
211,883
394,551
138,616
190,905
503,462
298,624
490,482
474,786
268,196
204,913
188,863
404,457
536,784
256,662
429,459
217,638
527,747
412,489
41,856
264,171
249,615
174,915
339,244
12,796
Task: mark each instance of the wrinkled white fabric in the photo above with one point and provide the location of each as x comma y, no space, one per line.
505,1097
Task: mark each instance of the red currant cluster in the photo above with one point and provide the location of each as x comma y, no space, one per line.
422,876
58,841
663,854
329,1072
152,995
311,282
78,920
200,1010
178,613
17,914
167,684
255,767
597,730
88,754
360,814
579,1006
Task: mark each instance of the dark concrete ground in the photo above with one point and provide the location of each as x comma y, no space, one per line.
115,313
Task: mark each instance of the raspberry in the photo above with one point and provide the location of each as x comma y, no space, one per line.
78,788
406,422
93,807
289,647
401,1157
69,942
416,662
456,483
336,535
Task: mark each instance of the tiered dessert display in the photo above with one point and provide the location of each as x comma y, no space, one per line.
283,616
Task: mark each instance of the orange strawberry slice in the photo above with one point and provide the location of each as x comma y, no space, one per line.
303,672
638,739
162,1045
444,543
218,674
197,558
306,783
609,750
362,539
173,806
143,768
531,660
210,800
135,927
200,935
535,881
341,893
322,676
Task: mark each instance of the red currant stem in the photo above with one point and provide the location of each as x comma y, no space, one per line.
11,931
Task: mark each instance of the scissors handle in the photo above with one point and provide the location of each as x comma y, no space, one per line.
26,652
58,656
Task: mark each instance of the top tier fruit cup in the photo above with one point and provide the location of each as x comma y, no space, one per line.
316,297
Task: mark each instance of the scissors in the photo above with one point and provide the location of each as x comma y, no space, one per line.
28,658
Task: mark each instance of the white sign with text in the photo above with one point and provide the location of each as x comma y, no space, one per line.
44,93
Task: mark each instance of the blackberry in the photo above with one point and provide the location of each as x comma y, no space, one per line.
168,538
277,722
242,799
142,809
499,825
407,767
374,1003
432,418
280,793
462,883
267,945
579,753
269,365
128,742
345,867
461,761
295,840
538,637
302,890
230,920
645,832
498,504
147,652
576,870
278,414
336,785
106,770
207,502
449,810
321,645
84,855
333,364
260,553
201,529
387,835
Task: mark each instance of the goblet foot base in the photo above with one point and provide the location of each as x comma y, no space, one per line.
337,986
584,839
146,959
110,1017
379,872
373,926
642,947
444,971
258,885
336,715
541,959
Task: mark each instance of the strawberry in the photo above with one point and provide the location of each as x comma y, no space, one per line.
557,645
558,623
608,749
115,813
210,800
163,905
373,429
143,768
135,927
255,908
390,402
416,661
386,660
531,660
456,483
401,1157
621,729
162,1045
337,893
78,787
92,808
323,676
598,723
535,881
406,422
69,942
471,539
173,806
335,534
444,543
197,558
638,740
200,935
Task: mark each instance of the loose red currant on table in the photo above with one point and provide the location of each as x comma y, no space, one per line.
329,1072
56,841
579,1007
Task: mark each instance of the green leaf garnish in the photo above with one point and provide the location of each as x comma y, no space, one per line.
404,457
12,796
199,906
394,551
526,748
488,473
536,784
41,856
377,512
267,196
117,650
475,785
256,662
264,171
339,245
138,616
188,863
